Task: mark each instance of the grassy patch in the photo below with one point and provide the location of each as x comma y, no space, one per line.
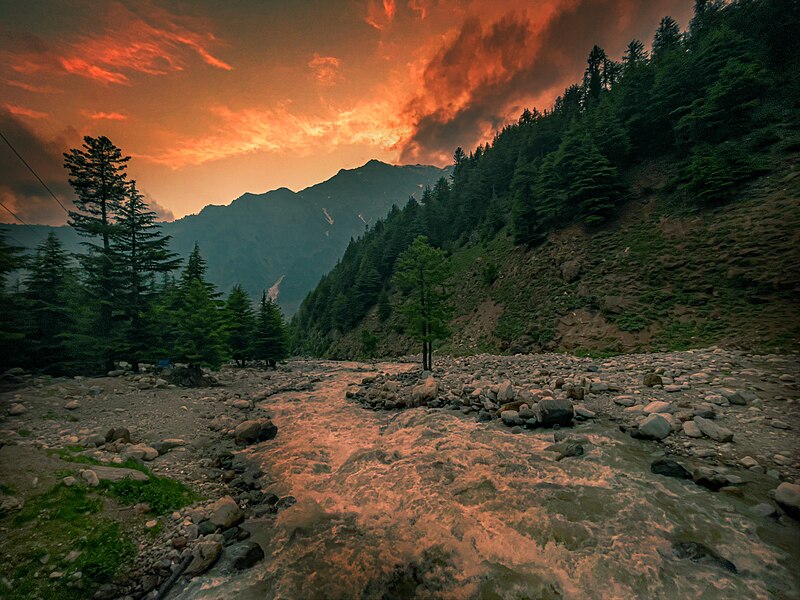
693,334
24,432
6,489
51,525
162,494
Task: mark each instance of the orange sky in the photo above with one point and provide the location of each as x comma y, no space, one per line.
213,99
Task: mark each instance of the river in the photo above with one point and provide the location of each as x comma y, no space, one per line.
431,504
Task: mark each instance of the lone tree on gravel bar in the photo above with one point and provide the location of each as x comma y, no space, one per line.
420,273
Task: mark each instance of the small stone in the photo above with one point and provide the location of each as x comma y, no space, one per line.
691,429
69,481
90,477
16,409
624,400
748,462
657,407
763,510
72,405
651,379
151,524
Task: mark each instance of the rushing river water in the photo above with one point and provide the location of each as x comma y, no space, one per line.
431,504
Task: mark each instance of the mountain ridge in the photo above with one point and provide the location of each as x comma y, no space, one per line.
260,237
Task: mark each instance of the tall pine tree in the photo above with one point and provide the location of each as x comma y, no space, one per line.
272,340
98,176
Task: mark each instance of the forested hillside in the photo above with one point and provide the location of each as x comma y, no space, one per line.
655,205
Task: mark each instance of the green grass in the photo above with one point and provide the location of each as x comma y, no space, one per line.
54,523
24,432
162,494
6,489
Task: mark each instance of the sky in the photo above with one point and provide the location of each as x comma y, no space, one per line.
214,99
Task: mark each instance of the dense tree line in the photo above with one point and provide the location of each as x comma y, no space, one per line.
714,99
120,300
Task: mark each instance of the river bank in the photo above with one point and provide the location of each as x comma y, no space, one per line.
438,500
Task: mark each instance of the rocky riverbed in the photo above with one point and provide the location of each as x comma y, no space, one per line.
657,475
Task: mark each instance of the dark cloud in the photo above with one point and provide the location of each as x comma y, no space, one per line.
19,189
473,84
22,193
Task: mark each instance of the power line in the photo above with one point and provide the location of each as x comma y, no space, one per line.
35,174
13,214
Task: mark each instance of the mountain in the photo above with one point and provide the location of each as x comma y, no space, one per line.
281,239
654,207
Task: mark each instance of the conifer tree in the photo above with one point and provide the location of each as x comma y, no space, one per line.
47,296
667,38
241,325
98,176
272,340
420,273
384,306
200,340
140,252
12,329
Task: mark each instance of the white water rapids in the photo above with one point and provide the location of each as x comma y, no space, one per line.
431,504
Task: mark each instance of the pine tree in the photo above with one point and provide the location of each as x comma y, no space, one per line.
200,339
592,184
421,272
47,296
667,38
635,54
98,176
12,325
272,340
241,325
140,252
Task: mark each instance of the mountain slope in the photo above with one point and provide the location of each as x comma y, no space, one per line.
654,206
659,277
294,237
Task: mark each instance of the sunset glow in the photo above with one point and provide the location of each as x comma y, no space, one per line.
212,102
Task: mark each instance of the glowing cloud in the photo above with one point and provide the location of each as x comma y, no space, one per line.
380,14
326,69
22,111
153,42
106,116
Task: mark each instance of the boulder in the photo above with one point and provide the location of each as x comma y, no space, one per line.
651,379
225,513
252,431
118,433
425,391
118,474
505,392
669,468
657,406
712,430
653,427
551,412
243,555
708,478
510,417
205,554
787,495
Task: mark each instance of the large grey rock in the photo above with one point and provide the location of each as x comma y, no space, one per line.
505,392
241,556
691,429
118,433
225,513
118,474
205,554
654,427
550,412
787,495
712,430
510,417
